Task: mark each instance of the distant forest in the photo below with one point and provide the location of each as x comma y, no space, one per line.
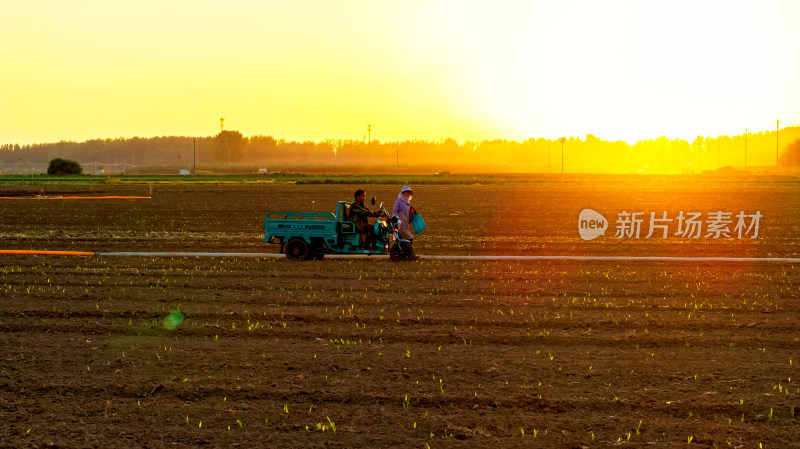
231,152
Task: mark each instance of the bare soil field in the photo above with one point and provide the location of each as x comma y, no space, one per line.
539,217
251,352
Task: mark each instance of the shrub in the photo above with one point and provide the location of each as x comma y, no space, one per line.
60,166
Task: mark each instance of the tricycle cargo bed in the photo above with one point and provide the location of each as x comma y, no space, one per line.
281,225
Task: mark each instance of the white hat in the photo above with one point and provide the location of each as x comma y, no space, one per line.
406,189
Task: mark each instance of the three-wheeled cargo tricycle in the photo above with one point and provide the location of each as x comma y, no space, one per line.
311,235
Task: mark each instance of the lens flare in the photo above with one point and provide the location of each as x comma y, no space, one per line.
173,320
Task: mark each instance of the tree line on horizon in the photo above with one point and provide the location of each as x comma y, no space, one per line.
231,151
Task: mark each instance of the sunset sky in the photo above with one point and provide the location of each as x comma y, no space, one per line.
311,70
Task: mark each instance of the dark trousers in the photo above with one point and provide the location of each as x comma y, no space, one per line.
367,238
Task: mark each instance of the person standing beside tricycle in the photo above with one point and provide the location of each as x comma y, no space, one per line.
402,210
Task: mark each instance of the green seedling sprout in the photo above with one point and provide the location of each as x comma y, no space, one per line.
333,425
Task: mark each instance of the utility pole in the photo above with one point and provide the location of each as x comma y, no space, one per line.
369,132
562,140
194,152
221,122
777,137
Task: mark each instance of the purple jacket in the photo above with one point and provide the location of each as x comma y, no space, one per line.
403,211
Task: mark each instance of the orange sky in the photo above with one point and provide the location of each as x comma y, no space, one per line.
413,69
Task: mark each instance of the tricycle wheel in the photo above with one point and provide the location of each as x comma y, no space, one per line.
401,251
296,249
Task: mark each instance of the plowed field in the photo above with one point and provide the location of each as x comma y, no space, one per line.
249,352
